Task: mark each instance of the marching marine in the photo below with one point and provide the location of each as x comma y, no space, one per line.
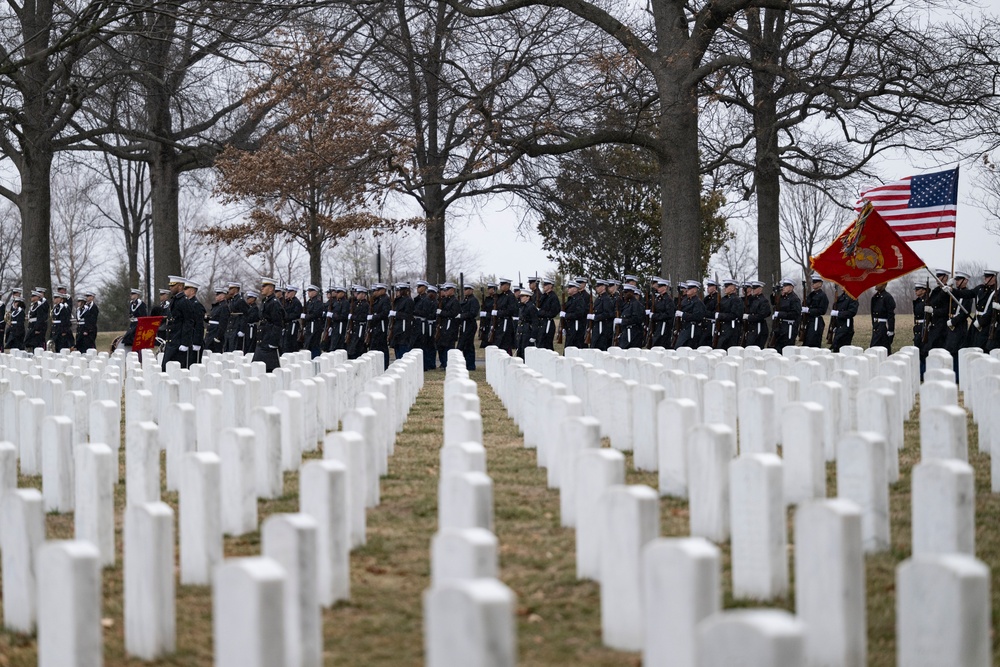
813,310
883,308
574,318
469,311
379,322
692,314
527,323
757,316
218,321
448,312
136,309
845,309
62,326
603,317
313,317
632,318
15,325
38,320
662,315
484,314
729,318
86,330
272,323
548,309
786,317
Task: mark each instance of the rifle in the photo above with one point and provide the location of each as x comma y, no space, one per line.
368,328
392,326
350,322
745,325
718,307
803,325
678,322
587,337
559,329
650,305
829,332
493,318
775,303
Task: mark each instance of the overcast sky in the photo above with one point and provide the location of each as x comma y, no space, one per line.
493,230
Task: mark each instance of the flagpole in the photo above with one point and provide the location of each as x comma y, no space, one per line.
947,290
953,239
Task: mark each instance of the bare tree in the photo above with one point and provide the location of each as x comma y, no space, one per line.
10,246
738,256
809,222
77,251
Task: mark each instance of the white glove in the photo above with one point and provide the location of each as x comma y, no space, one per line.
196,347
975,323
531,340
649,313
678,313
482,313
805,309
493,313
618,321
746,316
183,348
774,316
929,310
240,334
438,311
562,314
302,316
350,316
369,317
590,316
951,282
273,347
890,334
947,288
328,314
392,313
834,313
716,316
951,324
516,319
996,305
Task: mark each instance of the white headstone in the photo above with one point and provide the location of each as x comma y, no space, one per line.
248,613
323,496
596,471
290,403
265,422
861,478
875,416
69,605
200,507
710,447
182,439
680,587
239,481
944,507
631,519
751,638
578,434
802,452
943,612
348,448
470,622
150,618
943,433
290,539
463,553
645,430
94,518
22,531
757,421
58,488
105,427
830,582
758,525
465,500
142,464
676,418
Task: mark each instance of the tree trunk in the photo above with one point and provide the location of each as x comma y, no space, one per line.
767,180
680,187
35,206
164,185
434,211
315,265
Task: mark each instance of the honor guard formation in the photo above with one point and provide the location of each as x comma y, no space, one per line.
436,318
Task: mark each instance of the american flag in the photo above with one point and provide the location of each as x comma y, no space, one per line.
918,208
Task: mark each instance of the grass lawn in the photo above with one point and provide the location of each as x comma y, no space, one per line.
558,617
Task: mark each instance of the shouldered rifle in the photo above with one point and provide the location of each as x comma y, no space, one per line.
650,306
678,321
391,324
775,302
590,323
746,311
560,328
803,325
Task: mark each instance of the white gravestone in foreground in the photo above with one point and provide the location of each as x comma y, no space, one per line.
290,539
710,447
830,582
463,553
248,619
465,500
943,612
596,471
675,419
751,638
631,518
94,520
69,605
200,507
22,531
323,496
680,587
802,452
470,624
150,612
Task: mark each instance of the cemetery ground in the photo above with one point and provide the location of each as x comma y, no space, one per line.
558,616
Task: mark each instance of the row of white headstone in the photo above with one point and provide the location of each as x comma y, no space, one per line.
469,614
743,499
58,584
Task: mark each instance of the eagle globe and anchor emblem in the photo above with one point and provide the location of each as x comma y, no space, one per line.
867,259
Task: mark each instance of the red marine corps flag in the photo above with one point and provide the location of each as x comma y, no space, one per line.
145,333
866,254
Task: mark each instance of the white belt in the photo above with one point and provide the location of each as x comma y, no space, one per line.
881,320
213,321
